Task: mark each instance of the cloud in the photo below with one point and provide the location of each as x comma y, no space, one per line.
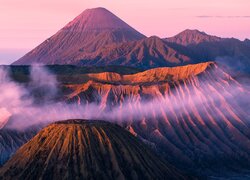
19,107
229,17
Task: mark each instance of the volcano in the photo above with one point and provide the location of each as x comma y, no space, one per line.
90,31
79,149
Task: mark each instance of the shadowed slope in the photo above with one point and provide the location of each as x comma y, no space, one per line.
88,150
11,140
196,116
146,53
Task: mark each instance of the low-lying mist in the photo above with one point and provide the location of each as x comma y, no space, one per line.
20,109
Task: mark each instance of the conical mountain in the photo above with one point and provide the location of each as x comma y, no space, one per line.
91,30
78,149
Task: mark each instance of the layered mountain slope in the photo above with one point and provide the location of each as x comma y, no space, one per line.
78,149
146,53
202,47
87,33
113,89
197,116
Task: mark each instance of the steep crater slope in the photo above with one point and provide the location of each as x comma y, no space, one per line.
87,33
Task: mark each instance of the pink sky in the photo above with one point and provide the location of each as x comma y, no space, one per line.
26,23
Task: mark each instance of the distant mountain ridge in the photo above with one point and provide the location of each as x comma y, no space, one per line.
99,38
192,37
202,127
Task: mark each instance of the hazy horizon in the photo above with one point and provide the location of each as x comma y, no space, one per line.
25,24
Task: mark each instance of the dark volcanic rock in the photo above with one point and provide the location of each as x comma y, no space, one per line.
11,140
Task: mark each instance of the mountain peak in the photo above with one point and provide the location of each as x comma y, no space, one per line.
189,37
97,9
192,31
97,19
